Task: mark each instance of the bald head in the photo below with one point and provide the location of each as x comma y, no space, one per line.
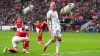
53,5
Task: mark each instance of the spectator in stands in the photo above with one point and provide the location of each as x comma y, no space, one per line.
91,28
9,8
98,27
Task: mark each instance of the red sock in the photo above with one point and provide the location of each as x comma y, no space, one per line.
26,44
39,38
12,50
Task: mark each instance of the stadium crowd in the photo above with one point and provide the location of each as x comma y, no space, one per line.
85,11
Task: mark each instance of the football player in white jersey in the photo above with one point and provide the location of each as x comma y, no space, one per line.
54,27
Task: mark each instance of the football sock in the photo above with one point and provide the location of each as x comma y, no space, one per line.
26,44
58,46
24,50
12,50
49,42
39,38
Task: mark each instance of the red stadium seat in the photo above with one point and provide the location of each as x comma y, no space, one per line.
77,26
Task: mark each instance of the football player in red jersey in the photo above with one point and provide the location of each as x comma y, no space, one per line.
19,37
19,24
40,28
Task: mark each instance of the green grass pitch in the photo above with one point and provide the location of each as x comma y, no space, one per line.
73,44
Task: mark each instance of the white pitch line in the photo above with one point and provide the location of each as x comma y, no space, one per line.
85,51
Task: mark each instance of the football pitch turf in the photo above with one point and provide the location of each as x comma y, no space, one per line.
73,44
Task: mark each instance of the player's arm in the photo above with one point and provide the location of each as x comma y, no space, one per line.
48,20
27,42
48,24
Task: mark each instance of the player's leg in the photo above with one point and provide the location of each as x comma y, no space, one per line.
58,43
20,39
12,50
15,46
51,40
25,44
39,36
58,46
18,29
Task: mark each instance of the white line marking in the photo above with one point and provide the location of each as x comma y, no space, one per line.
61,53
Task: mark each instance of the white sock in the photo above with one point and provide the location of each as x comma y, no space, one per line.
57,46
8,49
24,50
49,42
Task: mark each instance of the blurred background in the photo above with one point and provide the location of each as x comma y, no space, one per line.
85,18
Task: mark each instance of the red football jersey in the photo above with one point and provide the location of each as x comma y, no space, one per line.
19,23
22,34
41,25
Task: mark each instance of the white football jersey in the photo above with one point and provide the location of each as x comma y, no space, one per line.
53,15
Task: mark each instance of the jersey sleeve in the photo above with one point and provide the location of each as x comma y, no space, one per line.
48,14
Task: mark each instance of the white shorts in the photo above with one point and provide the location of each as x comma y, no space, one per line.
19,29
17,39
56,31
37,29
